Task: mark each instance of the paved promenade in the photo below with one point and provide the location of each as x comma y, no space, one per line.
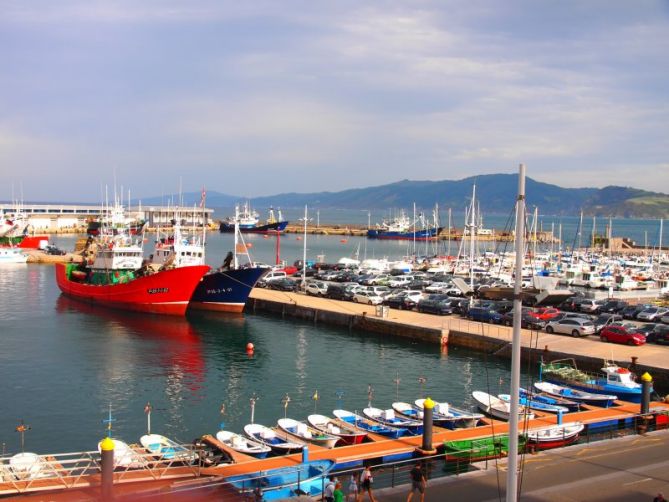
650,355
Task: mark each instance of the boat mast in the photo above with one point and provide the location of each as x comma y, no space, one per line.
236,234
414,231
449,232
472,233
580,230
512,472
304,251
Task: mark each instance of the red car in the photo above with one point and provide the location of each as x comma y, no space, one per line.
621,334
544,313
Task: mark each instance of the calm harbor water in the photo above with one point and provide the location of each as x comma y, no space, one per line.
62,363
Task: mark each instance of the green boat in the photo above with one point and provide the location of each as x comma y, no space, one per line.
473,450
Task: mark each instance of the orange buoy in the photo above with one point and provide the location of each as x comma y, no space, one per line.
344,241
298,238
265,236
249,245
249,347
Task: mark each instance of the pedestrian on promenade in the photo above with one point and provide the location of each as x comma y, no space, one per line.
338,493
328,493
366,480
352,495
418,482
659,498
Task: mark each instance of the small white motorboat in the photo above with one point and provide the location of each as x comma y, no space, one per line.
12,255
497,408
278,442
555,436
307,433
166,449
241,444
336,427
28,465
125,456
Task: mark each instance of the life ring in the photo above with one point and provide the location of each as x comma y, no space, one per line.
623,370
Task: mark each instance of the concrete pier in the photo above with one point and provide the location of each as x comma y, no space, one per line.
445,331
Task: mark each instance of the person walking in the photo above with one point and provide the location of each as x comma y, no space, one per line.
328,492
338,493
352,495
366,480
418,482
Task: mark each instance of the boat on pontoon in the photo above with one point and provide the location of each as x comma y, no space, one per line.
242,444
336,427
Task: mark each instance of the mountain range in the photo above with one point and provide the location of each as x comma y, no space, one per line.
496,194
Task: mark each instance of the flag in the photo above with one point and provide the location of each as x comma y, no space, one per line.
203,197
315,396
147,408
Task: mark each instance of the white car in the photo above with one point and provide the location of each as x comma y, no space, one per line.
316,288
400,281
368,298
382,291
571,326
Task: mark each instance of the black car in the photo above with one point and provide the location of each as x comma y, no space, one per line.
526,321
572,304
631,311
661,334
396,300
647,330
337,292
53,250
613,307
282,285
436,304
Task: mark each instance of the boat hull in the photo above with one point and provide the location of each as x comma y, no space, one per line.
278,226
429,233
474,450
166,292
225,291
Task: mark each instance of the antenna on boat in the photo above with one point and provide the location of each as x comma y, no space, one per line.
397,386
21,429
421,381
340,397
253,400
284,401
222,412
147,410
370,395
109,421
315,398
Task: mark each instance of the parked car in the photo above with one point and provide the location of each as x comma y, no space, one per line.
395,300
631,311
647,330
484,314
544,313
367,297
336,291
316,288
352,289
53,250
379,280
572,304
401,281
571,326
380,290
652,313
412,298
435,304
572,315
622,334
613,307
527,321
604,320
284,284
589,305
661,332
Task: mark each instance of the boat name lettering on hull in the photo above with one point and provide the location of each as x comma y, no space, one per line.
218,291
153,291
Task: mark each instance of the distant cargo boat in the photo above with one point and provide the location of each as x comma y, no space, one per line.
402,228
249,221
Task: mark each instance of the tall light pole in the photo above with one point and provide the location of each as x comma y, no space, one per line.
304,252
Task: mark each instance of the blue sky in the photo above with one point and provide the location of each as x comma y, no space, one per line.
256,98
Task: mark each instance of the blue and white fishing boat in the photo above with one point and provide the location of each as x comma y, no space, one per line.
285,482
548,399
367,425
553,389
167,449
454,418
614,380
279,443
242,444
389,418
535,405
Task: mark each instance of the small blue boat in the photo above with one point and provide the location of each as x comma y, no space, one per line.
535,405
548,399
367,425
605,400
285,482
389,418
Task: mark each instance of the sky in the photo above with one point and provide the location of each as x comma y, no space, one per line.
258,97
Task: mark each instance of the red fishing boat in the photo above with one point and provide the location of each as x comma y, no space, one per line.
162,292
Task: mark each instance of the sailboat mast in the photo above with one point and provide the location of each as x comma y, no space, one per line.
472,233
512,472
414,230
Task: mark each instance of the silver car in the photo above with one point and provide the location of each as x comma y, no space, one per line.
571,326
